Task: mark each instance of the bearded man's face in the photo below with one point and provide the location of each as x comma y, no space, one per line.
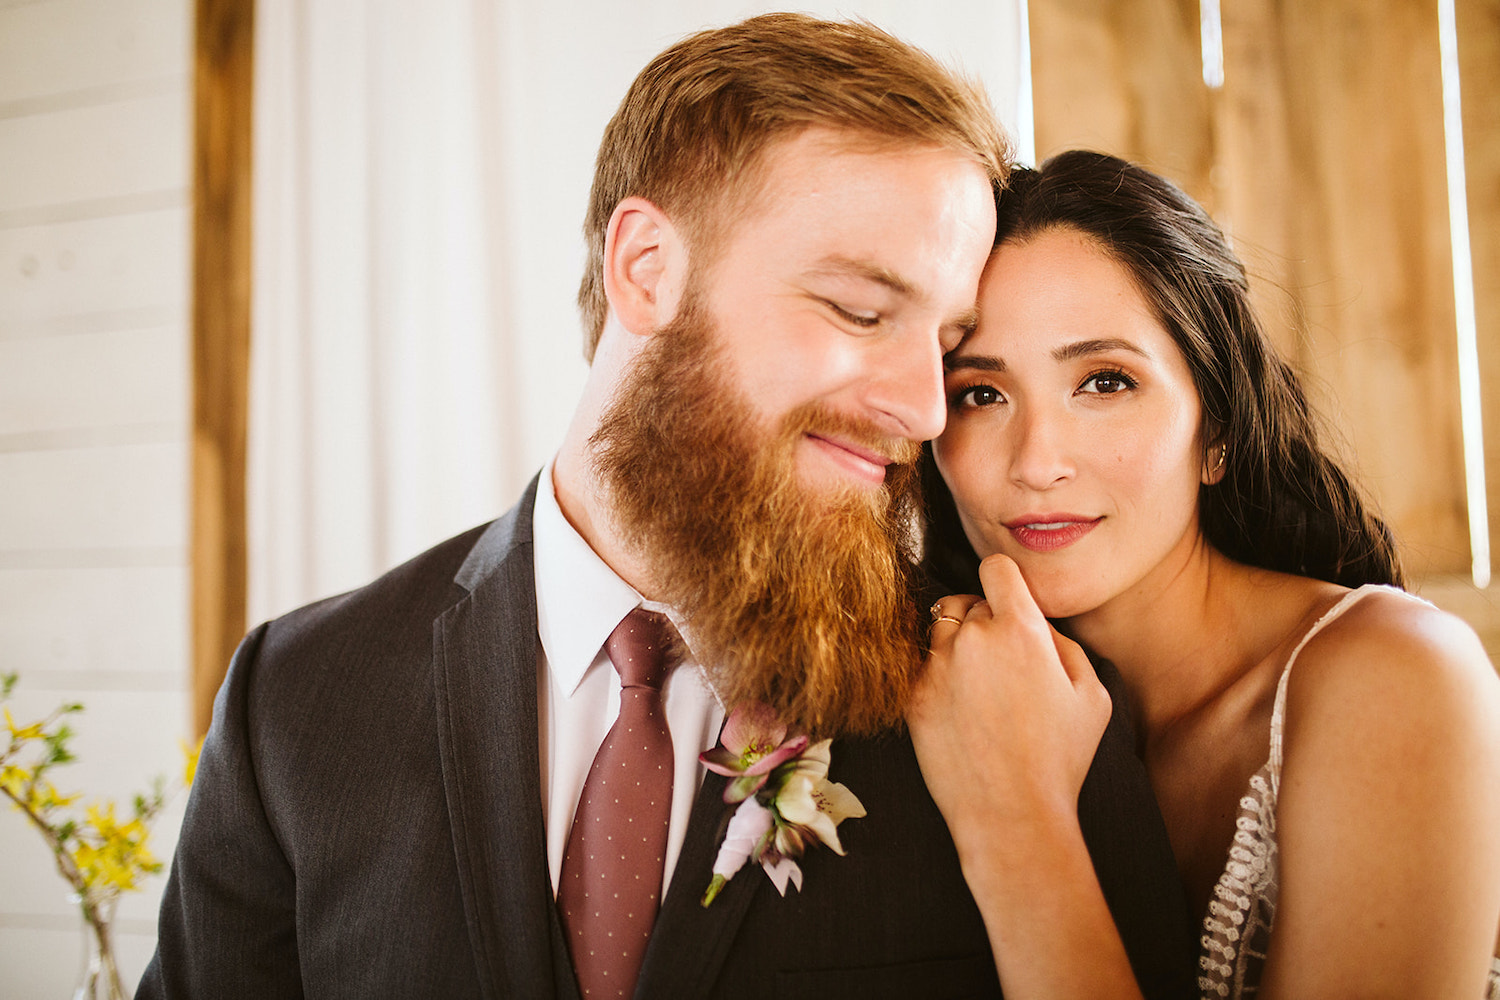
760,455
797,594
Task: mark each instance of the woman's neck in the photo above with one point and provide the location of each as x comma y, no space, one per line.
1189,631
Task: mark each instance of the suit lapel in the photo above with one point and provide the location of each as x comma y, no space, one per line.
485,671
689,943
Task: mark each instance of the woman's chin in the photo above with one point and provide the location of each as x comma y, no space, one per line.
1058,598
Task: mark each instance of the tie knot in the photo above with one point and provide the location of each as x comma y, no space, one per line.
642,648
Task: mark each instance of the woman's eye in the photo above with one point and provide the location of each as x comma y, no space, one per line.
1107,383
978,395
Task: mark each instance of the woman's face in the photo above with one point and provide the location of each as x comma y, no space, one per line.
1072,441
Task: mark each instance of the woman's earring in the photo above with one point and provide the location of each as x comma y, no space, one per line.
1223,454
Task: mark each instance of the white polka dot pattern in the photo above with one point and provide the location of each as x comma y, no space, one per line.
612,870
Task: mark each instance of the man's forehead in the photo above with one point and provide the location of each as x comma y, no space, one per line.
785,158
842,206
821,143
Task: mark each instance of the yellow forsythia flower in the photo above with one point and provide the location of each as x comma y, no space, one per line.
31,732
190,760
44,797
13,778
111,853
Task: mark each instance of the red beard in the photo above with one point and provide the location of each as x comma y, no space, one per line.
800,600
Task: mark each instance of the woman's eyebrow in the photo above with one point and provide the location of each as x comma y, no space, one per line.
1084,348
1067,352
972,362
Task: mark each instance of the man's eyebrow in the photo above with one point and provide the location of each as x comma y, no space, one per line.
849,267
965,322
1083,348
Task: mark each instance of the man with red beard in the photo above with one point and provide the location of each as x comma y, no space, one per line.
467,779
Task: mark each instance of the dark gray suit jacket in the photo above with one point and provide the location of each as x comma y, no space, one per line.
367,822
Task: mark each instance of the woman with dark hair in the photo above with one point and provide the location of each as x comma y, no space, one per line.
1127,456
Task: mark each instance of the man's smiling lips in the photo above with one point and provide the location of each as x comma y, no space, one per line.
863,463
1049,532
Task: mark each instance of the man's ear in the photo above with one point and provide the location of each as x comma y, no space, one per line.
644,264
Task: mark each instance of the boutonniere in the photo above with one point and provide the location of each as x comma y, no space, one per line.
785,800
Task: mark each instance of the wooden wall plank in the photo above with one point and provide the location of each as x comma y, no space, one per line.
1123,78
98,498
1479,72
49,50
94,152
1369,251
95,125
103,624
98,274
107,380
1251,130
221,337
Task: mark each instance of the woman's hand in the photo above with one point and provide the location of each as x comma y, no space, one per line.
1008,713
1006,720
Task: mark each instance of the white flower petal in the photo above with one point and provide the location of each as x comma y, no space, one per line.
813,762
783,871
796,801
839,802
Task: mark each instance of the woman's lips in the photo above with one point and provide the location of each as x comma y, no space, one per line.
1049,532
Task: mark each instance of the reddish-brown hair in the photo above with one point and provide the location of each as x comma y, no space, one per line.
697,120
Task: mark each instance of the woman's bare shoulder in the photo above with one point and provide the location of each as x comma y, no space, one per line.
1391,664
1391,746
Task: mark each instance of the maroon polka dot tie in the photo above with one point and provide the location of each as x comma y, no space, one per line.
610,884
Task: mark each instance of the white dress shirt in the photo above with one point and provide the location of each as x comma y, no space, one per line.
579,601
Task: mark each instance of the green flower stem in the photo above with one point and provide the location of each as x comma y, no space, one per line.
713,889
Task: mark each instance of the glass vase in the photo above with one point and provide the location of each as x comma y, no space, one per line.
101,976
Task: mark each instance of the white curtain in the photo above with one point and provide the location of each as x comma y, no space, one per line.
421,168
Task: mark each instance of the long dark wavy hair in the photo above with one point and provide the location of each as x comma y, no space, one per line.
1283,502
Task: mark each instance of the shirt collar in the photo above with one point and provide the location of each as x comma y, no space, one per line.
579,599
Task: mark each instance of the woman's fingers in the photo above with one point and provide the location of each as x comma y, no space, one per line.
1007,715
1007,602
1074,660
948,613
1097,705
1006,591
1010,602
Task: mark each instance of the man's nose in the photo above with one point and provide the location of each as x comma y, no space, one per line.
908,388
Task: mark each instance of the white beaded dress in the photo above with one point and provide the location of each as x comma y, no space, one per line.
1237,928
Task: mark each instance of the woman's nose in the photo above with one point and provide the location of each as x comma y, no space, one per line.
1042,450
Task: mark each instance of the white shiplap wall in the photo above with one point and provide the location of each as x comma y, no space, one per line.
95,121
